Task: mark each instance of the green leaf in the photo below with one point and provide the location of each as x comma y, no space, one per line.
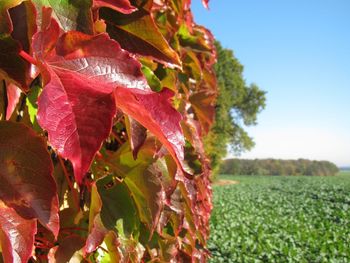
32,105
152,80
118,209
197,40
138,34
71,15
147,192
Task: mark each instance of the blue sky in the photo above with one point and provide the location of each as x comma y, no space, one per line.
299,52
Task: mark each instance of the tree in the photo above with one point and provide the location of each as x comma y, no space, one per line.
103,109
237,105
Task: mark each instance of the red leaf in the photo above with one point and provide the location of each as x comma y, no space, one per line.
76,106
26,182
155,112
23,18
96,236
203,105
122,6
205,3
66,249
12,66
77,113
13,94
137,135
16,235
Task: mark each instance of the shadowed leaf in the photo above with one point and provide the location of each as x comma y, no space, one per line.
12,67
118,209
137,135
5,23
26,182
66,249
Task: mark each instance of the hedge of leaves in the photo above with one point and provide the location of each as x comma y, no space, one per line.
103,106
282,219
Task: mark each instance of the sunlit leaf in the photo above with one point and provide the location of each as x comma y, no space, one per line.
16,235
13,94
76,106
71,15
122,6
138,34
203,105
155,112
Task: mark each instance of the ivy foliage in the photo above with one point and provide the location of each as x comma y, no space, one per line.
103,109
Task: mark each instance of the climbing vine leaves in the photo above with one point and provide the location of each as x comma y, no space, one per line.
103,107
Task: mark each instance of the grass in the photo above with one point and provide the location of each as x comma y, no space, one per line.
281,219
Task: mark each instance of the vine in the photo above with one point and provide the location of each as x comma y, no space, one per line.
103,107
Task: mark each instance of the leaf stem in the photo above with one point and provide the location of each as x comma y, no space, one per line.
115,136
28,57
70,184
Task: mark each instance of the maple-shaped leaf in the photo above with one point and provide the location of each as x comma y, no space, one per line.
13,95
155,112
122,6
139,34
16,235
26,182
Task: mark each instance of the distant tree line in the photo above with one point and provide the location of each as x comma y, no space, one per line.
278,167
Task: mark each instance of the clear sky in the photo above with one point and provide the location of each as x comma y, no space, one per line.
299,52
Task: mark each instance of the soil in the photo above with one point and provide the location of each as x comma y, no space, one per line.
225,182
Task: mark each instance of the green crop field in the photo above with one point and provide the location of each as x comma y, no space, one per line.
281,219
